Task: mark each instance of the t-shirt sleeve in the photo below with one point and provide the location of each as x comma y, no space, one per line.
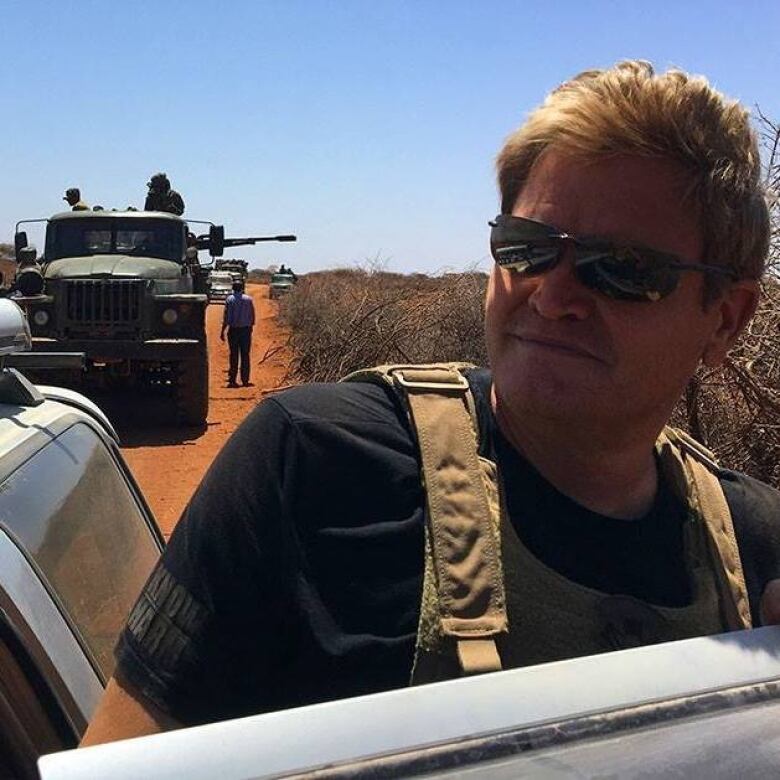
755,510
217,602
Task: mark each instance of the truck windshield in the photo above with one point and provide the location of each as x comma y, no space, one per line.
140,237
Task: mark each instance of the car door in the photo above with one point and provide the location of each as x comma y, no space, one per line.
77,542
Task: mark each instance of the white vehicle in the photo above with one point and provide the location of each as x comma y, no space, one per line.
699,708
220,285
77,542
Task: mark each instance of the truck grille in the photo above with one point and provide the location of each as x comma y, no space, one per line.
102,302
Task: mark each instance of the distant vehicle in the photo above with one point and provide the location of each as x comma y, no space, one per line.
126,289
220,285
699,708
281,283
77,542
238,268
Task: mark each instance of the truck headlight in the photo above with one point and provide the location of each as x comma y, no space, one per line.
169,316
41,317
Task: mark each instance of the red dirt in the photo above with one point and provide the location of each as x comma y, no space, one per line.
168,462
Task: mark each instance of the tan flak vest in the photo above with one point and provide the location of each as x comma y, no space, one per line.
481,586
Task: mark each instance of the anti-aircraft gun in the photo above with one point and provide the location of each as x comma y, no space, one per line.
126,288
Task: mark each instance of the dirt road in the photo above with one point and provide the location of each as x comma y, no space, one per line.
168,461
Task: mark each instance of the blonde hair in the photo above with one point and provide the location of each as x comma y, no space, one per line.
629,109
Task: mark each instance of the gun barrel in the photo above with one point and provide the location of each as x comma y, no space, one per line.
257,239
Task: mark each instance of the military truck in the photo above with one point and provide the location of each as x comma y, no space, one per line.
126,289
237,268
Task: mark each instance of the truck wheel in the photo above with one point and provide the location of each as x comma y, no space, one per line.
192,390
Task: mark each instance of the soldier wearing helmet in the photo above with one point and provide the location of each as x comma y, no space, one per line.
161,197
73,196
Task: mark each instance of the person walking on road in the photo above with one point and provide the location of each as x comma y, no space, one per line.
239,320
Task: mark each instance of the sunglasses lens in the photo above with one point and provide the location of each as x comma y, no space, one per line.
627,280
529,257
621,272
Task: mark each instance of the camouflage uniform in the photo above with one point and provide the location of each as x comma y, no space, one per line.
161,197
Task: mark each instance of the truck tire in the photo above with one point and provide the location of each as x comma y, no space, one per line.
192,390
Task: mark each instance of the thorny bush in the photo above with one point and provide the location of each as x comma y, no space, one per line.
353,318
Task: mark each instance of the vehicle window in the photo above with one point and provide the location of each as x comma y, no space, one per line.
73,512
148,238
150,243
96,241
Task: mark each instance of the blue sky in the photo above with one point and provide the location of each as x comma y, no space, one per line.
367,128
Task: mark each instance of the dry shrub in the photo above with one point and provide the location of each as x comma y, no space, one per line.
348,319
735,409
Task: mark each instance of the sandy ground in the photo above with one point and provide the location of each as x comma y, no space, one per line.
168,461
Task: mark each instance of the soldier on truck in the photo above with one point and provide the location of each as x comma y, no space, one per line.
161,197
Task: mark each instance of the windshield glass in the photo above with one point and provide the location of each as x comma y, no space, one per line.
283,278
141,237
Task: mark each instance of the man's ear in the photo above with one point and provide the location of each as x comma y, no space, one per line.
735,308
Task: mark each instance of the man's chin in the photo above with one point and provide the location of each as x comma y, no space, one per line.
544,391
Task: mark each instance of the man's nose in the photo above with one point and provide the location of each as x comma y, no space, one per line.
558,294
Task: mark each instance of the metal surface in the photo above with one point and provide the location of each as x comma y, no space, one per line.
398,721
51,360
114,349
104,301
35,618
742,743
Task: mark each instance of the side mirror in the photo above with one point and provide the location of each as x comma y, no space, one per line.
26,255
14,329
216,240
20,242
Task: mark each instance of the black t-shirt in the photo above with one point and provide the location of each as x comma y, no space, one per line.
295,573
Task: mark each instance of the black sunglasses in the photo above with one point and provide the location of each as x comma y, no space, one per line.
627,273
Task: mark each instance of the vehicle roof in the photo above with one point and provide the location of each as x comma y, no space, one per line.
416,726
89,214
25,428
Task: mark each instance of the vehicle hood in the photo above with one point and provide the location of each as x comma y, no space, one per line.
122,266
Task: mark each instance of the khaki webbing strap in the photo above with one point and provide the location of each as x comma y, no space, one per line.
714,510
465,549
477,656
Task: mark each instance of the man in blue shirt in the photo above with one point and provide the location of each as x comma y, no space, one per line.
239,320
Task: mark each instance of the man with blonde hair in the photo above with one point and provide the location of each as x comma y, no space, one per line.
315,562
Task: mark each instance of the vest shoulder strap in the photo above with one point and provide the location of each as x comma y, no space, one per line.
694,470
462,533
